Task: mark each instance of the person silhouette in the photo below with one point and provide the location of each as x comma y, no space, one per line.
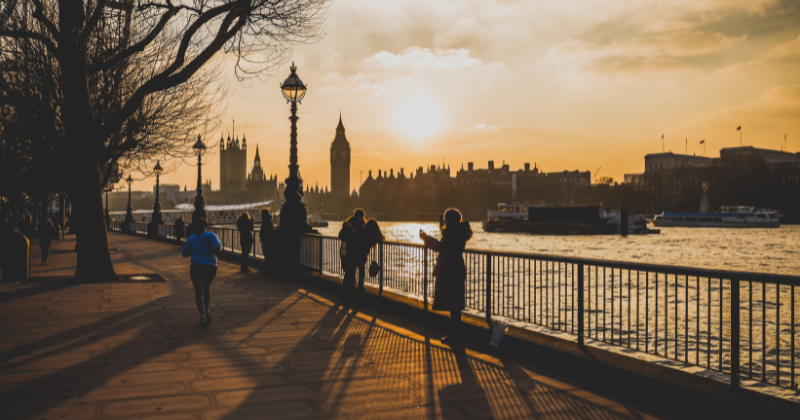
450,270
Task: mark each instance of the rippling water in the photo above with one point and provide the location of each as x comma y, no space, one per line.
774,251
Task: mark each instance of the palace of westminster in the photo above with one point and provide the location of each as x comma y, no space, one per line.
421,194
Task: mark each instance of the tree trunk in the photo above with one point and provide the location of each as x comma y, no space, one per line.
94,255
84,145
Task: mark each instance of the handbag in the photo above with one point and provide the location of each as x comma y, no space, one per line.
374,269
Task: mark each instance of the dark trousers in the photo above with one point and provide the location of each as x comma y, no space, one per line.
246,246
45,247
350,269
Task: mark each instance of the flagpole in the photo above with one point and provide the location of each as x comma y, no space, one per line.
687,145
740,137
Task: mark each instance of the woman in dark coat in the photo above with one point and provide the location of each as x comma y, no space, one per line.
450,270
264,233
45,233
245,225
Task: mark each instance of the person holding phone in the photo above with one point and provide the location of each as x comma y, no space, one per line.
203,247
450,270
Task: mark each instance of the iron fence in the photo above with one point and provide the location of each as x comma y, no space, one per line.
741,324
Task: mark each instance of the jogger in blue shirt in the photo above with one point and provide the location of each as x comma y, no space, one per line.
203,247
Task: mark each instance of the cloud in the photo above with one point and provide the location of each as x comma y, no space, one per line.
675,45
416,58
790,49
766,118
483,127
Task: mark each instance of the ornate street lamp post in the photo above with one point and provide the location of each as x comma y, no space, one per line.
156,219
293,212
199,201
126,225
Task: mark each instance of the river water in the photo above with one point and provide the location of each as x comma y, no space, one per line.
774,251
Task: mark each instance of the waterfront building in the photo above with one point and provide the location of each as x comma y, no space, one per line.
425,194
768,155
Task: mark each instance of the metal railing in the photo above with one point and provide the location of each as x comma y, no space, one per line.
738,323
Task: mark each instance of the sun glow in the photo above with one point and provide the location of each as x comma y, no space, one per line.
418,117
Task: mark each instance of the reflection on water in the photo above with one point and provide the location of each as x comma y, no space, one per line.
756,250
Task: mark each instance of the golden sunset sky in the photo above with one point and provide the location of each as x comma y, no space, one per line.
565,84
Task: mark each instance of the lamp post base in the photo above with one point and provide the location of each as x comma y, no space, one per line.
126,224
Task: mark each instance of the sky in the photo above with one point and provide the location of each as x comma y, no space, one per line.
565,85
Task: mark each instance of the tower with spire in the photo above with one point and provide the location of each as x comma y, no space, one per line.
232,165
340,165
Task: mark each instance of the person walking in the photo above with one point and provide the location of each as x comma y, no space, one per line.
245,226
203,247
358,236
450,270
180,228
264,233
45,234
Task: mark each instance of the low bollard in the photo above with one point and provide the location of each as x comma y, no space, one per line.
18,262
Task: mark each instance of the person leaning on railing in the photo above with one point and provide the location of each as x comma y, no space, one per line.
245,225
450,270
358,236
180,228
267,228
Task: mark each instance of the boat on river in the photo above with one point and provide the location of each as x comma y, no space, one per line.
727,217
558,219
316,221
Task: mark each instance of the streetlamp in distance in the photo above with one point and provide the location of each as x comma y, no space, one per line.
293,212
199,201
126,225
156,219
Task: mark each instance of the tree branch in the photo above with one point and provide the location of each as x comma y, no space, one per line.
32,36
39,15
98,11
135,48
162,81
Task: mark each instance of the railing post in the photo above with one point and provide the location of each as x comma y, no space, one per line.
735,333
425,276
580,305
380,274
321,260
489,291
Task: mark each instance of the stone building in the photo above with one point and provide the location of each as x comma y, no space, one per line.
340,165
232,165
424,195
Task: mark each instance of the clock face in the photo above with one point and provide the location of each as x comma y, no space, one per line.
344,155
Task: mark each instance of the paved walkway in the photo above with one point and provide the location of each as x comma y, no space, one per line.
274,350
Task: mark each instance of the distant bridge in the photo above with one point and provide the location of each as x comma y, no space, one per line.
218,214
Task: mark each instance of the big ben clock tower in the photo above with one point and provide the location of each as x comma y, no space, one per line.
340,165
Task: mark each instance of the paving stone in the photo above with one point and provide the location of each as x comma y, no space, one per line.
239,382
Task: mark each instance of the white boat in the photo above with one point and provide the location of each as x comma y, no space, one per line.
727,217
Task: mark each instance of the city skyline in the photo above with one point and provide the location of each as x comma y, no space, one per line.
416,85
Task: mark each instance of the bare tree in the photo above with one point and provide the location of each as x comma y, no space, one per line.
106,100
